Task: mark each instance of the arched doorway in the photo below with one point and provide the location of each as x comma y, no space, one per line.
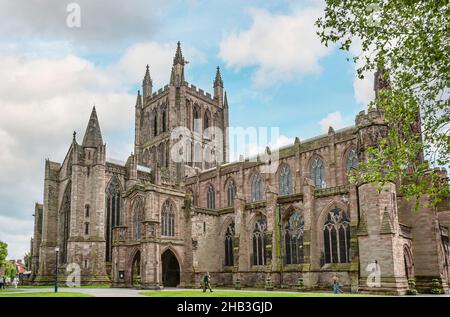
136,270
408,260
170,269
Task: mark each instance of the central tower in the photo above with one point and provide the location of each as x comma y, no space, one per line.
183,115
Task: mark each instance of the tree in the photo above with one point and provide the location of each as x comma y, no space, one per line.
10,269
407,41
3,253
27,260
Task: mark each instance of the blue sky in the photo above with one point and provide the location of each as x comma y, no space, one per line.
275,72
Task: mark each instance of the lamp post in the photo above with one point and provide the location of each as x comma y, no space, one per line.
56,269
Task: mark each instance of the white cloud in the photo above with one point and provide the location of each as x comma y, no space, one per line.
282,47
158,56
363,88
43,100
334,120
103,24
250,148
16,233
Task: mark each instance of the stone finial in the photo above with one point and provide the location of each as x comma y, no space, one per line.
74,139
330,130
139,100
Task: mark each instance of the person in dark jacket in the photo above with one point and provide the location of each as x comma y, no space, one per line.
207,282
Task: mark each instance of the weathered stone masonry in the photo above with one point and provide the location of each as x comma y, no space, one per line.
151,222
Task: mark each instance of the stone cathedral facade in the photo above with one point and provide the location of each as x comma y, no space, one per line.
155,222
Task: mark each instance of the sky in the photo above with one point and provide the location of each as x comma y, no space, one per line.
54,69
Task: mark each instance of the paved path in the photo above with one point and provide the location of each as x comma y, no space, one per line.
97,292
128,292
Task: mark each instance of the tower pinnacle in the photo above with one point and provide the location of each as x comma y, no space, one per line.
93,135
218,80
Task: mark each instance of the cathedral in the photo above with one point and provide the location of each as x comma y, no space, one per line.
178,207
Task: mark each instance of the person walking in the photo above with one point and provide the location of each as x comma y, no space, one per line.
207,282
336,287
2,282
15,282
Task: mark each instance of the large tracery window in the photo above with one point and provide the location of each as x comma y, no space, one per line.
164,120
211,197
229,260
231,193
285,181
113,218
259,243
207,120
257,193
293,237
65,214
155,123
336,237
196,124
168,219
138,217
318,173
351,161
198,155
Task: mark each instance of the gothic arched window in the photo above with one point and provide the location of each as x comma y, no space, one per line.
318,173
65,215
155,123
351,161
257,193
161,154
336,237
207,158
196,119
113,217
211,197
285,181
167,155
168,219
138,217
207,119
259,243
164,120
198,155
231,193
293,238
229,259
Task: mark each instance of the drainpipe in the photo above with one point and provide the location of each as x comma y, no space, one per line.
359,219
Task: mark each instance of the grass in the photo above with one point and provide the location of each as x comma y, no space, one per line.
45,294
9,291
231,293
52,286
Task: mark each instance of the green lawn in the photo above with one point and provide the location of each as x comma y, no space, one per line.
231,293
44,294
52,286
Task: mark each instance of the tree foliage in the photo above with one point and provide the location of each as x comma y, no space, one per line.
3,253
27,260
408,40
8,267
